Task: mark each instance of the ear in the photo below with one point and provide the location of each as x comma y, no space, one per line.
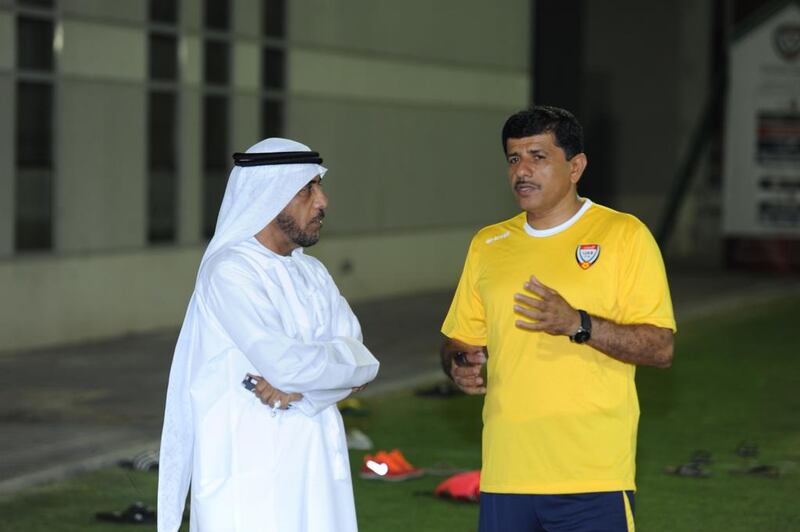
577,166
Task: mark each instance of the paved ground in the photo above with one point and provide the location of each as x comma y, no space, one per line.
67,409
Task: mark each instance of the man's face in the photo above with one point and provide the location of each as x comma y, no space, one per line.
539,173
301,219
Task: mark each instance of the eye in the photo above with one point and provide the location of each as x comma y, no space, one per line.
514,159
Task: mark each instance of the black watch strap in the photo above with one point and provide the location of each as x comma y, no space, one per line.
584,332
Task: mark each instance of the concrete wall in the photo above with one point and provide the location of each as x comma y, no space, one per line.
84,296
406,110
646,72
7,126
7,120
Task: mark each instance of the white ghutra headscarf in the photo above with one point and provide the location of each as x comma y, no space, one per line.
255,195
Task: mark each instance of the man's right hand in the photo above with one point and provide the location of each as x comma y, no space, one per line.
468,377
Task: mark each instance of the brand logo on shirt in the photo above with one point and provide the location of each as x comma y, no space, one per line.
587,254
498,237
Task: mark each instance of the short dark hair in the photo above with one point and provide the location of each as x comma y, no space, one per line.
541,119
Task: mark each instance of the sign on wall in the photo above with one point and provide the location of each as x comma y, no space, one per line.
762,131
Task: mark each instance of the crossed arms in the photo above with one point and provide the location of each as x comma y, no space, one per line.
315,373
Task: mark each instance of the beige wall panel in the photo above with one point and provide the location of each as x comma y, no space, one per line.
101,161
245,122
402,167
485,33
103,52
7,156
190,175
190,60
246,66
389,265
246,17
85,297
79,298
313,72
7,41
191,15
124,10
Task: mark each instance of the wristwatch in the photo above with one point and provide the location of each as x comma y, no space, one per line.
584,332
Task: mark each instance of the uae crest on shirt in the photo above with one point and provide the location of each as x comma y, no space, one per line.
587,254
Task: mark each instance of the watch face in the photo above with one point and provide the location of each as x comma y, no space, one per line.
581,337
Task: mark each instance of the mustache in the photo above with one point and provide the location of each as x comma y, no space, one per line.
319,217
525,182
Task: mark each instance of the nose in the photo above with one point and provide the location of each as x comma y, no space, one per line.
320,198
523,170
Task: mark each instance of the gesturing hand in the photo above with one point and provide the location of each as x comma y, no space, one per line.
549,312
272,396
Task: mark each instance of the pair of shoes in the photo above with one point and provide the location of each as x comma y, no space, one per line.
358,441
136,513
352,407
695,467
747,449
443,389
145,461
691,469
763,470
391,466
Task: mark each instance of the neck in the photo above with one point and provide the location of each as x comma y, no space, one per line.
272,238
557,215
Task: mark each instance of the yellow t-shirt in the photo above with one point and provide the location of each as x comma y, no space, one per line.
559,417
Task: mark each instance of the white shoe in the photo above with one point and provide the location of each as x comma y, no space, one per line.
358,441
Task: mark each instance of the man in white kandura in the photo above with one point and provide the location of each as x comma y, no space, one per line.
273,458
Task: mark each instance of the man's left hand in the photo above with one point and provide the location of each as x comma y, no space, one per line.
273,397
549,312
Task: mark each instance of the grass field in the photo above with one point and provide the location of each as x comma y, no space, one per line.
736,378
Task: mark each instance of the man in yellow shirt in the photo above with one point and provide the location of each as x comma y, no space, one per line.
561,303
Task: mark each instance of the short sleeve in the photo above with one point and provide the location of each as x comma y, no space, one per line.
466,319
644,292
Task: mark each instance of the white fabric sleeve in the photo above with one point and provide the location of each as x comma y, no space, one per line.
345,325
235,297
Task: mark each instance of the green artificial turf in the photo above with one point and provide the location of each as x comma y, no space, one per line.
736,378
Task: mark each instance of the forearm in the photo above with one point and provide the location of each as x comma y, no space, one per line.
314,402
639,344
341,363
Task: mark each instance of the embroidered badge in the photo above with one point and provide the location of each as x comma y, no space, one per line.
587,254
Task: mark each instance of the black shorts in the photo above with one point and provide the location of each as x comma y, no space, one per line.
610,511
